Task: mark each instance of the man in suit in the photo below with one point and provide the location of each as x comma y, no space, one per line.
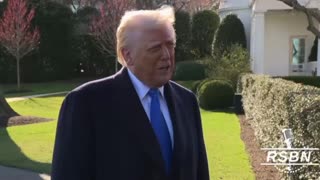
135,124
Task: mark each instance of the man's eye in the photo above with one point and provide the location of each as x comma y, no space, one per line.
155,48
171,44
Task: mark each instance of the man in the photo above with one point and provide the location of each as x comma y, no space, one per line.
136,124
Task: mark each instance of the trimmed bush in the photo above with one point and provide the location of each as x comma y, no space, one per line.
230,32
216,94
204,26
306,80
183,33
189,70
273,104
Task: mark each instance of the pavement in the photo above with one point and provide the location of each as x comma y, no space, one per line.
34,96
8,173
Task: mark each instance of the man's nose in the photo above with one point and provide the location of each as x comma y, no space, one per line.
165,53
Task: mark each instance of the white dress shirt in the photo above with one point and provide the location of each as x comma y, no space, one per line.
142,91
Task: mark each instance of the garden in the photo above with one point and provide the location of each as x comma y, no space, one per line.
66,47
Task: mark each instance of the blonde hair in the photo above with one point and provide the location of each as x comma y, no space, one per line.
133,20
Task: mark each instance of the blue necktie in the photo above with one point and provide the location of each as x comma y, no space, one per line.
160,128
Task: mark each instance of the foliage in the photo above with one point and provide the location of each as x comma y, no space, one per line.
230,65
216,94
183,35
204,25
104,27
17,35
90,61
230,32
273,104
306,80
189,70
55,22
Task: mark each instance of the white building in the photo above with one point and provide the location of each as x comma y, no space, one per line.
278,38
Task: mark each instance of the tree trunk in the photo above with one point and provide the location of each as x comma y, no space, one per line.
5,112
18,72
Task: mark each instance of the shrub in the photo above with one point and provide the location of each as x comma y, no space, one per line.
216,94
314,51
183,33
235,61
306,80
230,32
189,70
273,104
204,26
194,86
55,22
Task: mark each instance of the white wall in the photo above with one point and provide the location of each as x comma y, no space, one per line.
265,5
280,26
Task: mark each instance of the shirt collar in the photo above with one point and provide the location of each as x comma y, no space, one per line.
142,89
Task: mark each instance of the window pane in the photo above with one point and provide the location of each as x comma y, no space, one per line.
298,51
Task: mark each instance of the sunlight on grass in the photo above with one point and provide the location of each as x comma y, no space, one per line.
28,146
226,152
34,143
47,107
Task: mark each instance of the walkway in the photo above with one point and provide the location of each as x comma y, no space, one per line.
34,96
8,173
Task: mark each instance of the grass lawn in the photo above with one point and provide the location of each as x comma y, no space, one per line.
30,146
226,152
41,88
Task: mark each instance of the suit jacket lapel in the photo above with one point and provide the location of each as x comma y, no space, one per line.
139,124
176,112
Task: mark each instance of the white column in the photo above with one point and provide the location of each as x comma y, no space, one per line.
257,42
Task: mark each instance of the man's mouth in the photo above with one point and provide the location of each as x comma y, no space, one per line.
164,67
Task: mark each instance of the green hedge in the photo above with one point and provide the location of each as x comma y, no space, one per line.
306,80
215,94
189,70
272,104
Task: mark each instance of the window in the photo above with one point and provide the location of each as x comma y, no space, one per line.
298,54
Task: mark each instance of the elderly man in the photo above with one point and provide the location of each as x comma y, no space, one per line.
136,124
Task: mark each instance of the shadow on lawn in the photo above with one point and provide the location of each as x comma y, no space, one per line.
11,155
10,152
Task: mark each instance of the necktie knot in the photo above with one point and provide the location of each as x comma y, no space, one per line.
153,92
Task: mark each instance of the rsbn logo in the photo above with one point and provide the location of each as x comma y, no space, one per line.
290,159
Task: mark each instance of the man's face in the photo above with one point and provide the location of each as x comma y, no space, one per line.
152,55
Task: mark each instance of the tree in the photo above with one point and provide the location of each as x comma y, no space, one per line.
231,31
55,22
5,111
17,35
204,26
104,27
183,33
312,15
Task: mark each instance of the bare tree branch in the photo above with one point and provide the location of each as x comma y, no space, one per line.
312,14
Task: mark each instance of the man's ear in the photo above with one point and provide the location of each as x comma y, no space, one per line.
127,56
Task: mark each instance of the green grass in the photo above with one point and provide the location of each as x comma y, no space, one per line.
47,107
226,152
41,88
30,146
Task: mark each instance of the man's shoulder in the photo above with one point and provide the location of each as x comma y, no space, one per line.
180,89
94,86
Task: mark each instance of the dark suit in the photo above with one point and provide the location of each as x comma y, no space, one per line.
104,133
